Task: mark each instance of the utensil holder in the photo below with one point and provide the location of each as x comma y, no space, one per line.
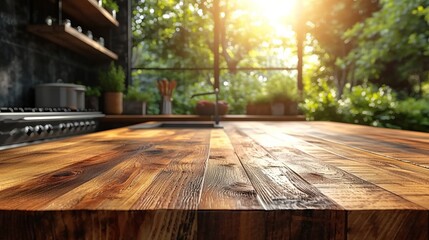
166,105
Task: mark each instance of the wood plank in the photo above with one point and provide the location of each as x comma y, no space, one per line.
277,186
179,184
121,187
252,180
391,224
40,159
379,170
406,146
102,224
37,192
226,185
89,12
44,162
279,224
70,38
224,224
344,188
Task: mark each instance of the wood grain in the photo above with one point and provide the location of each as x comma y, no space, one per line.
226,185
70,38
90,12
300,156
380,170
277,186
391,224
250,180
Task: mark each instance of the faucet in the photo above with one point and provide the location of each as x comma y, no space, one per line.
216,112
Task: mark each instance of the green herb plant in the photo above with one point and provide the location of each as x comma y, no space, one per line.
135,94
92,91
112,80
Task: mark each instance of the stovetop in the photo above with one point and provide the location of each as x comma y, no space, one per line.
20,126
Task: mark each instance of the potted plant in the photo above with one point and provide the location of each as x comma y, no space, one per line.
261,105
283,94
283,104
112,82
92,95
135,101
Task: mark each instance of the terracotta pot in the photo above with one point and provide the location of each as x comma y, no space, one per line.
113,102
258,109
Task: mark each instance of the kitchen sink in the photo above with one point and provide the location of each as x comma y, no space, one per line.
176,125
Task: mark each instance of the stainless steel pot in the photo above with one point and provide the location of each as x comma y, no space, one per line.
60,95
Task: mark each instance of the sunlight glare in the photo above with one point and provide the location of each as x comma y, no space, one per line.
275,11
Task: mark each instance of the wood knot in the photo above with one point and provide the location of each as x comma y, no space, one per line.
241,188
154,151
229,164
65,174
314,176
217,157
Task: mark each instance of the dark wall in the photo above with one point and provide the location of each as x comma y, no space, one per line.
27,60
121,36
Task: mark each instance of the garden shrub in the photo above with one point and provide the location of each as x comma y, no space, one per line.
368,105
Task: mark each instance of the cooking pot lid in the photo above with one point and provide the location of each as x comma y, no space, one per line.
63,85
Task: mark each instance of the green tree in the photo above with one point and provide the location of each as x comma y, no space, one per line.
392,45
327,21
180,34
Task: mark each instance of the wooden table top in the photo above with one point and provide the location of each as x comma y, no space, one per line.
250,180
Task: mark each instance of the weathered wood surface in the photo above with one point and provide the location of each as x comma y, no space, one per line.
250,180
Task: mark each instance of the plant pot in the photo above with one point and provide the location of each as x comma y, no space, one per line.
291,108
258,109
277,108
113,103
134,107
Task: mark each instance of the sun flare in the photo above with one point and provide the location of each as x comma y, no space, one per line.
279,14
275,11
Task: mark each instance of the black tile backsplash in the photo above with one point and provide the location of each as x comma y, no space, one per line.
27,60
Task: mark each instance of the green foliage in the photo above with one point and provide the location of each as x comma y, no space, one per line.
368,44
368,105
112,79
327,21
412,114
391,45
110,4
281,88
261,98
320,102
92,91
180,34
135,93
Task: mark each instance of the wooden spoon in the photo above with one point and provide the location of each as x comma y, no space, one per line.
172,86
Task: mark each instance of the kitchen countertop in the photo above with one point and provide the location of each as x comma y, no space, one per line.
250,180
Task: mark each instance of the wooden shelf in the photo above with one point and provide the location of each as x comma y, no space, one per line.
70,38
90,12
